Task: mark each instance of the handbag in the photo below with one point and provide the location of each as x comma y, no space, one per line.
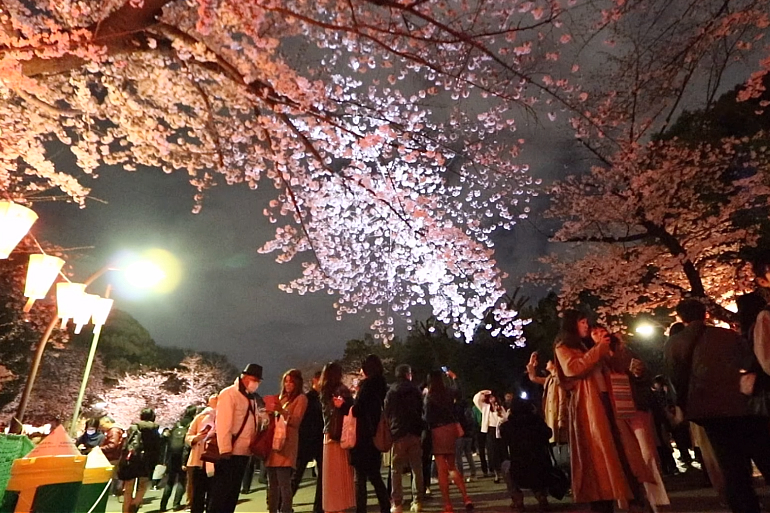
759,400
279,437
158,472
348,438
558,481
210,452
262,444
383,439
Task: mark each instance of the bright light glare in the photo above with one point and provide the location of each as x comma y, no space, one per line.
524,395
154,271
645,330
144,274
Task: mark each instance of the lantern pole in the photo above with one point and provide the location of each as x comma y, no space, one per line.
87,372
17,423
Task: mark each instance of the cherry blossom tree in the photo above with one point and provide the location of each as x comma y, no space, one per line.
168,392
658,217
386,127
659,227
672,219
351,111
57,386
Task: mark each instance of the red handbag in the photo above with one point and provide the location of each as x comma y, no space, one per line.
262,444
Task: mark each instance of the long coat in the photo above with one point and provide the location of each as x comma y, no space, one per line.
287,457
597,472
556,410
367,410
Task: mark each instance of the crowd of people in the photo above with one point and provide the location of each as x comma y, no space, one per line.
604,428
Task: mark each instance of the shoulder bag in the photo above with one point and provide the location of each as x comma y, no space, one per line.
383,440
348,438
210,452
262,444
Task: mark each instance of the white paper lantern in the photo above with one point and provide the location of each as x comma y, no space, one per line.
15,222
41,273
68,298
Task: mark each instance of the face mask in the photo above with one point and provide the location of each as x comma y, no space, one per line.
90,431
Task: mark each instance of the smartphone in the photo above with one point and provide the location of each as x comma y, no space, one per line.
444,368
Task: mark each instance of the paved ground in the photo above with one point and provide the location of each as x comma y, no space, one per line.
685,490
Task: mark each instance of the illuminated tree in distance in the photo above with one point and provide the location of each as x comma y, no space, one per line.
385,126
168,392
662,214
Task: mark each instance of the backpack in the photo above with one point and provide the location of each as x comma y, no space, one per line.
176,440
131,464
134,446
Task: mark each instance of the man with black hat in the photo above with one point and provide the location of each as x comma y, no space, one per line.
236,426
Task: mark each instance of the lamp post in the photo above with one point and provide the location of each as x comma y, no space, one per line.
68,299
73,303
100,310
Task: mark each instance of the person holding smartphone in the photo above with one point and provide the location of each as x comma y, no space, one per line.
492,416
337,474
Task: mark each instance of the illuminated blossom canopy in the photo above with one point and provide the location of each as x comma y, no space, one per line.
662,213
386,126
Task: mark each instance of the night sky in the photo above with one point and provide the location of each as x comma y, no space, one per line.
228,298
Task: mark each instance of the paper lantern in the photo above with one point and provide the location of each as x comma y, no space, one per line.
15,222
68,298
101,311
41,273
85,311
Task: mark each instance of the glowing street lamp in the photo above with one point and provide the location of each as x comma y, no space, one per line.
68,299
41,273
101,310
645,329
15,222
85,311
144,274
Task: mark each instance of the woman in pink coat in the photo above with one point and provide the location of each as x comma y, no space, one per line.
607,464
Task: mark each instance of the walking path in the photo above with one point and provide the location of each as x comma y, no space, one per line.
687,495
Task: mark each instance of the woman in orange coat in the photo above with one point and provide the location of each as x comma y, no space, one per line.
291,405
607,464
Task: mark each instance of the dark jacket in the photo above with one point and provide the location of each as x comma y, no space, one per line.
333,416
311,430
439,412
526,436
90,441
403,409
705,365
367,410
151,445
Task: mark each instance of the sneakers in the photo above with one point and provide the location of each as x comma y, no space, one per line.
468,479
427,490
416,507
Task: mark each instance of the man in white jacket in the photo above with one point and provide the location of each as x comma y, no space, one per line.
236,426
